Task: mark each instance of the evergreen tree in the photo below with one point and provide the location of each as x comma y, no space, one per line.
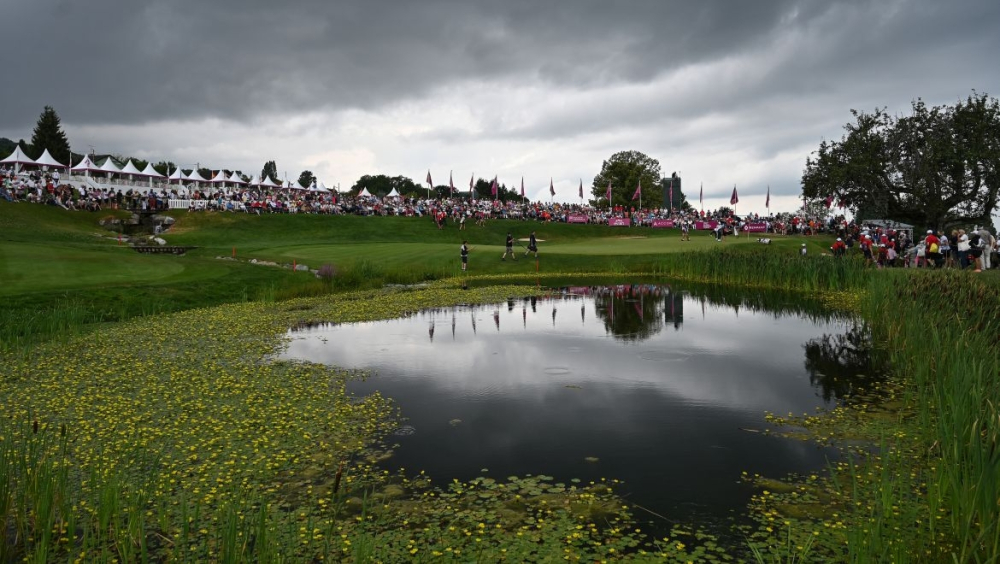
49,135
270,170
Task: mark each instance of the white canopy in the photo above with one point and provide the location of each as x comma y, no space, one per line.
47,160
219,177
17,157
109,166
322,188
393,194
150,171
364,192
235,178
86,165
194,176
176,175
129,168
267,182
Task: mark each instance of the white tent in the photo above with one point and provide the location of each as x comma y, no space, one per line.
175,175
268,183
364,192
322,188
151,172
393,194
86,165
47,160
109,166
235,178
129,168
194,176
17,158
220,177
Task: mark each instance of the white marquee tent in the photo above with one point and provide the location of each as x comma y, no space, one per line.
17,158
194,177
47,160
393,194
86,165
109,166
129,168
268,183
365,192
150,171
235,178
219,178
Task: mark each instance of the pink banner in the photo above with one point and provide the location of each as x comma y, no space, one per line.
619,222
576,218
705,224
667,223
759,227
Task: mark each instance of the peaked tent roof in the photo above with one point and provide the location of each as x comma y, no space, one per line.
194,176
47,160
393,194
219,177
364,192
129,168
235,178
109,166
269,183
86,164
322,188
150,171
18,157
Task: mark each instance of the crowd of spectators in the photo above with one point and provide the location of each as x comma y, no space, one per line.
880,245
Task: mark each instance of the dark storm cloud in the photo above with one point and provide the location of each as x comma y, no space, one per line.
120,61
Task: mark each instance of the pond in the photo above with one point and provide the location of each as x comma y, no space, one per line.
658,386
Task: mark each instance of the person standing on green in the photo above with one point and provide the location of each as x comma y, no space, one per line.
510,248
532,245
465,255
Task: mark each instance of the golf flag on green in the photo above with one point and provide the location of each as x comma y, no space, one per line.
638,191
581,188
734,199
767,203
451,185
552,188
472,187
493,187
522,186
430,183
608,196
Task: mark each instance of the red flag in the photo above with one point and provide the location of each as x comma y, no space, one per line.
609,192
670,196
451,185
522,186
829,201
701,195
581,188
734,199
638,191
767,203
493,187
429,182
552,189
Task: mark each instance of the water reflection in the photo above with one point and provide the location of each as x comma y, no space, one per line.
660,400
839,364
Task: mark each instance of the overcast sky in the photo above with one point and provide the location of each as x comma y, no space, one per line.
725,92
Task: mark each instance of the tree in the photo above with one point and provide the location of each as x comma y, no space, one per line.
306,179
48,134
270,170
937,167
380,185
625,170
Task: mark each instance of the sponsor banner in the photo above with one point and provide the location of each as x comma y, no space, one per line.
619,222
576,218
665,223
705,224
759,227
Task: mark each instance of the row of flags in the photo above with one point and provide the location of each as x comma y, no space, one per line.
637,195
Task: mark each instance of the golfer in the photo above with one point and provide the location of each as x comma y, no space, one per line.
510,248
532,245
465,255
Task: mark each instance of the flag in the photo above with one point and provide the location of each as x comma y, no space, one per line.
670,195
581,188
829,201
609,193
701,195
451,185
734,199
767,202
552,189
472,187
493,187
522,186
429,182
638,191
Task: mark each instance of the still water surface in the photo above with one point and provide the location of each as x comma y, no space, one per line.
647,384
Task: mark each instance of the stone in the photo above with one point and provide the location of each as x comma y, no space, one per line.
301,268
